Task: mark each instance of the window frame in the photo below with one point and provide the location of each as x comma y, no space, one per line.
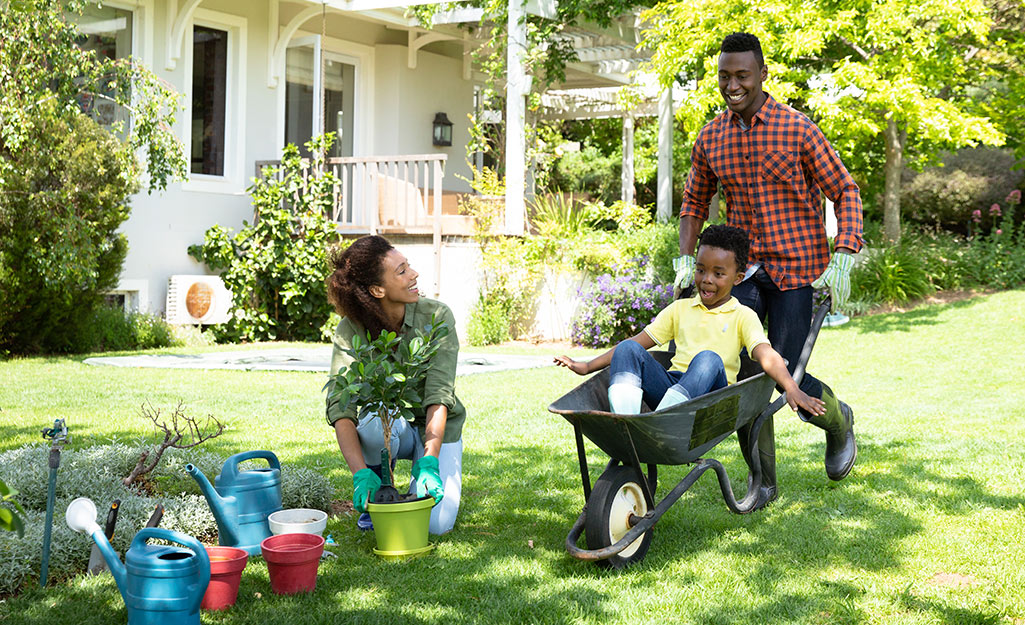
233,179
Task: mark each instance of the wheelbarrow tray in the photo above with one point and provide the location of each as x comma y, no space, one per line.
676,435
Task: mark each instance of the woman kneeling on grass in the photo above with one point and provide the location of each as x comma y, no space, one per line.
710,329
373,288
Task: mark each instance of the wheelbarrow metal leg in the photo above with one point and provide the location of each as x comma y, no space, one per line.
582,459
635,461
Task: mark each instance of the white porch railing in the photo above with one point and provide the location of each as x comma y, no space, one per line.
388,195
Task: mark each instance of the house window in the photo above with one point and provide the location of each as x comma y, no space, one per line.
305,98
107,32
209,90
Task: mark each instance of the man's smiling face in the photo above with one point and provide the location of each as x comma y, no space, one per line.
740,82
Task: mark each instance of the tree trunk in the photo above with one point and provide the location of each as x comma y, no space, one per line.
895,141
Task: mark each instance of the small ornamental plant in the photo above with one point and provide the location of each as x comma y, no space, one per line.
385,377
615,308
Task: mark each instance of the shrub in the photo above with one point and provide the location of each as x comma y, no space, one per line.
997,259
277,266
589,171
891,275
63,200
969,180
615,308
96,472
489,322
558,215
112,329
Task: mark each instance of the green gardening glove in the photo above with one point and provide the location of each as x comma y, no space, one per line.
427,478
837,277
365,484
684,266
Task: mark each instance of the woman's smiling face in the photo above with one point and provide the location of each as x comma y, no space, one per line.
398,280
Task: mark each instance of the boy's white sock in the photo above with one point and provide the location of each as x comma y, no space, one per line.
625,398
675,395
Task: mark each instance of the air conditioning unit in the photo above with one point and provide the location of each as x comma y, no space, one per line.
197,299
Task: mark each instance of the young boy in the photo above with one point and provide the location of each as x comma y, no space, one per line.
709,329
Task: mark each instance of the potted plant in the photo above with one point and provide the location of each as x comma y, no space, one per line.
384,378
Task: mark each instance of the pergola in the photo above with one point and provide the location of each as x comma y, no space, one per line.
607,61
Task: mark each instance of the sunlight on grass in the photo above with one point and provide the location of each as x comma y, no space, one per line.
927,529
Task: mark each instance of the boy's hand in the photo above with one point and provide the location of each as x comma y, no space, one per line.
799,399
837,277
579,368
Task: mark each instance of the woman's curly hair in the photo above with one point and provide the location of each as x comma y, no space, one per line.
354,271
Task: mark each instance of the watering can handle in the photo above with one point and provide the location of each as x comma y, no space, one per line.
185,541
231,464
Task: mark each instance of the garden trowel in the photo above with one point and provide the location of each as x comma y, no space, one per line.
97,564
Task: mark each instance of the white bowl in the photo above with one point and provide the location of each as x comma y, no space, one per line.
298,521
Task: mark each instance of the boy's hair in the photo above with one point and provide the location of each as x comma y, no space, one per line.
729,238
743,42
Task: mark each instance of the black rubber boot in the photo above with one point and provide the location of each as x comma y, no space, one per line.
838,422
767,492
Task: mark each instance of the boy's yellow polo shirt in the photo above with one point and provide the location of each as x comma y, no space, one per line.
725,330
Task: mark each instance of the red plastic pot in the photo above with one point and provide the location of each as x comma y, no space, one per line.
226,564
292,561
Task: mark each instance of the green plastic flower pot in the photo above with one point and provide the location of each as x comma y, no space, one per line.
401,528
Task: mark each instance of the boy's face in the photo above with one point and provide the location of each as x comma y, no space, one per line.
715,275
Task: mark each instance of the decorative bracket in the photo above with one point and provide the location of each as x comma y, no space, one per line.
277,59
176,23
419,40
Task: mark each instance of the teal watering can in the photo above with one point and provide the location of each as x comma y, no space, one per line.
161,584
241,501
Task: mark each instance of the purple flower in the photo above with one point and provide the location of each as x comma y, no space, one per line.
1014,196
994,210
631,319
977,216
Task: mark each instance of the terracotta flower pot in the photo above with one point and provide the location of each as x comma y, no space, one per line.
226,564
292,561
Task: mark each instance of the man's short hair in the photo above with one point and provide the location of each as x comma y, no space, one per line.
743,42
729,238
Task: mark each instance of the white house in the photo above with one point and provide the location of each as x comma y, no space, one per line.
258,75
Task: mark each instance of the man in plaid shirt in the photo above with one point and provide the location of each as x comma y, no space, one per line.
770,163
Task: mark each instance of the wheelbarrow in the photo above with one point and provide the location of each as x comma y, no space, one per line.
619,511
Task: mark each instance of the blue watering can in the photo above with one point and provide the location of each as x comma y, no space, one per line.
242,500
161,584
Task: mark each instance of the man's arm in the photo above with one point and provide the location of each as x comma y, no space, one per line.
832,177
690,227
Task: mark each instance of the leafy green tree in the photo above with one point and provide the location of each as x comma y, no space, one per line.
65,180
897,70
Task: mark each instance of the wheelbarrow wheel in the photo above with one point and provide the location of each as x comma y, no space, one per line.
615,498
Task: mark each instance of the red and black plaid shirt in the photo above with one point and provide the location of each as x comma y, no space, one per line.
771,174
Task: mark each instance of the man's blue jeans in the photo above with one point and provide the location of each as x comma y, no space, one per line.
632,364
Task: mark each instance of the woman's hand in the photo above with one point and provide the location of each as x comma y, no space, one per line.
577,367
365,485
428,479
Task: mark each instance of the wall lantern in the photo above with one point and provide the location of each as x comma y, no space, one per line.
442,130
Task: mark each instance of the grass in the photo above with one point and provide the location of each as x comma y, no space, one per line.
927,529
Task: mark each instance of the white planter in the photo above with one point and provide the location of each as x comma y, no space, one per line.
298,521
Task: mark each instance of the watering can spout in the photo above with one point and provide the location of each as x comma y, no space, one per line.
224,509
81,517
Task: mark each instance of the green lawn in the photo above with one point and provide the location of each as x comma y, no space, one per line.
928,528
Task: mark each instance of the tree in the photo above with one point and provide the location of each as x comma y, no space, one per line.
64,179
899,70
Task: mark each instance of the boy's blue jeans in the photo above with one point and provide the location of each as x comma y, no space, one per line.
632,364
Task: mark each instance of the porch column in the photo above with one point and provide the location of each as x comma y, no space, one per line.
628,159
517,86
664,206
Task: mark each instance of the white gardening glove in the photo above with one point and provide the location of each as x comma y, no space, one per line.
684,266
837,277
